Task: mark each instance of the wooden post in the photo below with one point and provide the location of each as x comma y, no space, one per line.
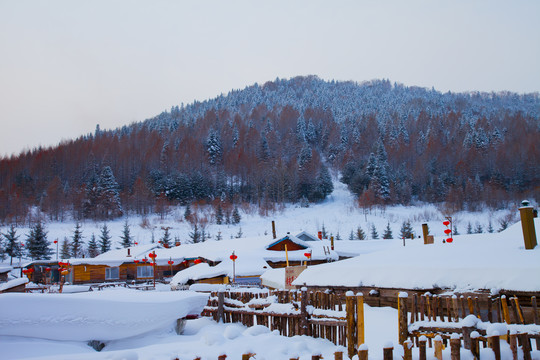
513,345
338,355
221,305
471,305
519,311
363,352
422,347
506,314
525,346
407,350
425,233
477,308
422,310
494,343
349,306
274,229
222,357
475,345
316,357
437,347
402,314
360,319
455,347
527,225
456,307
303,313
414,310
490,309
535,312
388,352
467,331
514,310
247,356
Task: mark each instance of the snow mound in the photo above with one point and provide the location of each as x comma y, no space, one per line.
107,315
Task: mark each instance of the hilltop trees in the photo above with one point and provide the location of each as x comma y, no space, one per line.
279,142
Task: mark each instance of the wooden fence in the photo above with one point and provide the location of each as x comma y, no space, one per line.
339,317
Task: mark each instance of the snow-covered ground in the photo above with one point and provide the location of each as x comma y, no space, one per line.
140,325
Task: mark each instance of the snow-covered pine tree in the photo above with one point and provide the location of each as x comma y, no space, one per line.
469,228
214,147
109,196
166,239
65,249
93,249
104,239
479,229
37,244
351,235
195,235
219,214
76,242
374,233
490,228
126,236
360,234
187,212
387,232
236,216
12,247
406,230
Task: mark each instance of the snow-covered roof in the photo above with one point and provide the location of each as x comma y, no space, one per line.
480,261
13,283
5,269
274,278
291,238
305,236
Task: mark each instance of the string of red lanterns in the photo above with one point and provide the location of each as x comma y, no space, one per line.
448,230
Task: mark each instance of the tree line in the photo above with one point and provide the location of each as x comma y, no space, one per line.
282,142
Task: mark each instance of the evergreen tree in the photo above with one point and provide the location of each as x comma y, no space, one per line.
338,237
219,236
469,228
195,235
351,235
387,232
236,216
406,230
455,232
219,214
374,233
65,250
104,239
126,236
360,234
490,228
240,233
12,247
214,147
479,229
166,239
324,233
93,249
37,244
109,197
503,223
76,243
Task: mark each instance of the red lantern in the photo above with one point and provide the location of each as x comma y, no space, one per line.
447,231
47,269
136,261
449,240
136,243
55,241
233,257
31,270
170,262
152,255
25,271
446,223
308,255
197,261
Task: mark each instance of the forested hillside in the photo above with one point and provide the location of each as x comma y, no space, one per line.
279,143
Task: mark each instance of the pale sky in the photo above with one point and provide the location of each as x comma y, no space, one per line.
66,66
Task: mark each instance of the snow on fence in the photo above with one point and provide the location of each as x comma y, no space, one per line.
426,320
435,320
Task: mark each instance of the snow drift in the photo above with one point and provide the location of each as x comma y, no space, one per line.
106,315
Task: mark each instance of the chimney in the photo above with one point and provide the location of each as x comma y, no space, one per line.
129,252
320,235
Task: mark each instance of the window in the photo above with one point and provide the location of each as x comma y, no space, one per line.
112,273
145,271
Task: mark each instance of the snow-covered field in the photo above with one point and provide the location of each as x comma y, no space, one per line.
140,325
